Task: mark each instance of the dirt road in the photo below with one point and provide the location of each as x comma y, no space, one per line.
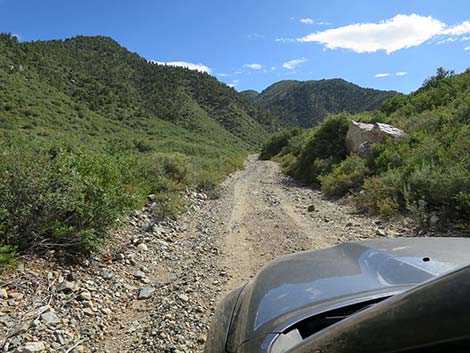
261,215
158,288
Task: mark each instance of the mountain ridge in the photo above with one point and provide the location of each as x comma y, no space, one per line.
305,103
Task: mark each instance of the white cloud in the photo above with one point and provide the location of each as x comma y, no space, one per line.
467,48
292,64
307,21
253,66
386,74
461,29
286,40
253,36
448,40
223,75
236,81
402,31
399,32
17,36
191,66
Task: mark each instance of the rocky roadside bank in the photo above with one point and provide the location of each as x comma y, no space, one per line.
48,307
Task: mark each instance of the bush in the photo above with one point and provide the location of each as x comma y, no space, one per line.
380,195
443,190
169,204
324,149
57,198
348,176
277,143
7,256
208,175
208,181
174,166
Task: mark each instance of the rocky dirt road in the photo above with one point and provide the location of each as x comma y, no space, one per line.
158,291
261,215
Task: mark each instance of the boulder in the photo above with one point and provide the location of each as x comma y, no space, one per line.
360,136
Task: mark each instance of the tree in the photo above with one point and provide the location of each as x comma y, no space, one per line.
441,74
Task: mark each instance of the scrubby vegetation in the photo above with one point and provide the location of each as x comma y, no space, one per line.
55,197
428,173
277,143
323,150
89,129
347,176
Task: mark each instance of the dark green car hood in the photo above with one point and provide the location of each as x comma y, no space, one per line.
291,285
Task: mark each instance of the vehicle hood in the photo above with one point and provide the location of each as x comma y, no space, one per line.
293,283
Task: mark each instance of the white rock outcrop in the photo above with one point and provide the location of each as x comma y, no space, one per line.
361,135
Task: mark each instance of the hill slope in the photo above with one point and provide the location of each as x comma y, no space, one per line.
250,93
304,104
92,85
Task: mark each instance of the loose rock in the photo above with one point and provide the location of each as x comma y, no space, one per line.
146,292
32,347
50,317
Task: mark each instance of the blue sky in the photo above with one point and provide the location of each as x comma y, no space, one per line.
250,44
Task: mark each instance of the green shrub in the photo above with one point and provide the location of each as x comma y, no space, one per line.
277,143
57,198
348,176
324,149
446,190
207,176
174,166
379,195
208,180
143,146
7,256
169,204
287,162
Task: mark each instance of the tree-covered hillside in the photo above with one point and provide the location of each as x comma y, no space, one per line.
89,129
250,93
305,103
83,84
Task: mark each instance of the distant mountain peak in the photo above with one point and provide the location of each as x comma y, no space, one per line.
305,103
